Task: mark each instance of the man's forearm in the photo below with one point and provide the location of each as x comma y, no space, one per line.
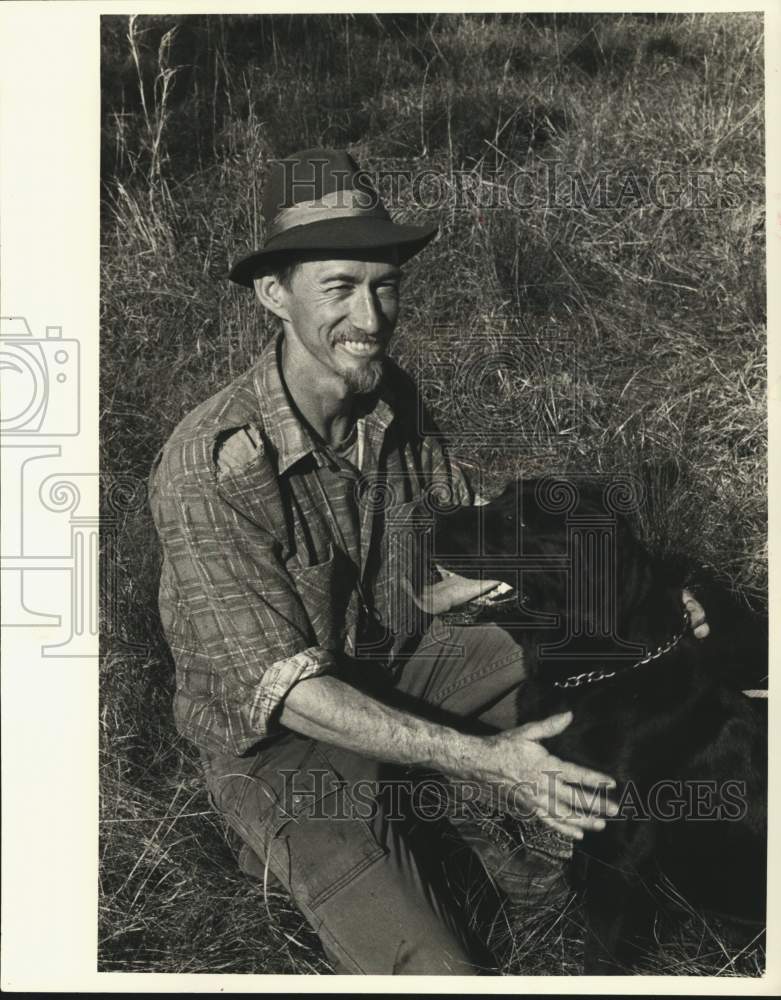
327,709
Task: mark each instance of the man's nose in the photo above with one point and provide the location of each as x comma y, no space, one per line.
366,315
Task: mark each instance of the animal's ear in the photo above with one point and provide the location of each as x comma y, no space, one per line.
508,498
515,488
506,495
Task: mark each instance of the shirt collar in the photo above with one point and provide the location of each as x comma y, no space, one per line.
290,436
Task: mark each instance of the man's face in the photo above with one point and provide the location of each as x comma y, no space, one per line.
343,313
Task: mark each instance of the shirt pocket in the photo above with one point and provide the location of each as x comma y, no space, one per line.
326,589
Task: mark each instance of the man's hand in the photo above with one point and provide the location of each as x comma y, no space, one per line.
513,763
700,627
569,798
454,590
450,592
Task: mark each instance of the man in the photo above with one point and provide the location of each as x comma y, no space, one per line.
277,587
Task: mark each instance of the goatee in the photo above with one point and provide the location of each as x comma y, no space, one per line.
364,379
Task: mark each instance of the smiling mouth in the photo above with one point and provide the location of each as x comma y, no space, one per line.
361,348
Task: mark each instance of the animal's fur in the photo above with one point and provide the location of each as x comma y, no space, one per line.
680,718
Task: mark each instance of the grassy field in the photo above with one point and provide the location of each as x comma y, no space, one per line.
645,317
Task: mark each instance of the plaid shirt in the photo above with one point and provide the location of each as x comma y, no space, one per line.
258,586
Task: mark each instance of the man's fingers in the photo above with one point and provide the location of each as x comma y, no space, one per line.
700,627
551,726
568,829
576,804
444,572
693,606
467,589
573,805
574,774
421,601
448,593
571,826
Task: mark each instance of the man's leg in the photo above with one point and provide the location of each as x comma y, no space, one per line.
475,672
373,897
469,672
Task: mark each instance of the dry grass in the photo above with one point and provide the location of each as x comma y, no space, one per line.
664,307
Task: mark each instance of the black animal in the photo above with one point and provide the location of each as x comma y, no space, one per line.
686,746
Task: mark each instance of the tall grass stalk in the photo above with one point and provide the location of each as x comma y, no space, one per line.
647,320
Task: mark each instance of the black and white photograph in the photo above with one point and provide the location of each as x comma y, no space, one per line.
444,339
428,555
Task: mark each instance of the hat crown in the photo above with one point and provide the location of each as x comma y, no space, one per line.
320,199
309,176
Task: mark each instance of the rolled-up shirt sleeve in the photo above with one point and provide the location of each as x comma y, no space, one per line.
239,633
279,677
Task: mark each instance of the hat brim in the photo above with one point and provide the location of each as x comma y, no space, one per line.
333,234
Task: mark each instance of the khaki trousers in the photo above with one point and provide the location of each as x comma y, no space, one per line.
335,828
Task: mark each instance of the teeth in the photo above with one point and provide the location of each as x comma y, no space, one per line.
360,346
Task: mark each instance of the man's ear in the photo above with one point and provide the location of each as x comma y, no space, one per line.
272,294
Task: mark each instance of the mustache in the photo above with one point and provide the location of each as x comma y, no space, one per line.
361,338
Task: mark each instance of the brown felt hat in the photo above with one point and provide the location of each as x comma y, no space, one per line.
320,199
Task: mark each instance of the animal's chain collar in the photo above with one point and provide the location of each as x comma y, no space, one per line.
593,676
